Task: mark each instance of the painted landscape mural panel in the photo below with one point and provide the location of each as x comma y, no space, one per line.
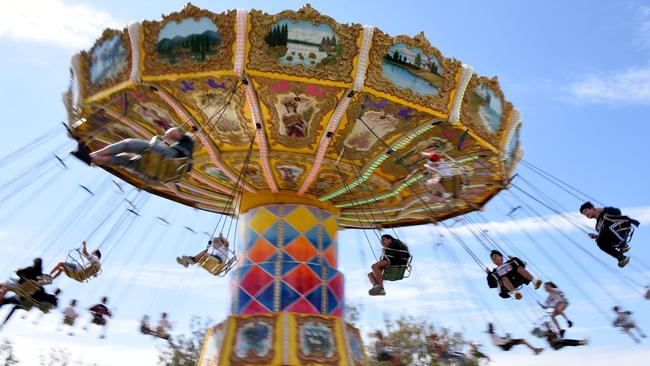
107,60
303,43
194,40
411,68
485,106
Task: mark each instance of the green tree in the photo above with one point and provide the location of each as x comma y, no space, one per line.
418,60
408,335
184,350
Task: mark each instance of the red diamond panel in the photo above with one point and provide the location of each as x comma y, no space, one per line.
302,306
302,279
301,249
256,279
255,308
336,284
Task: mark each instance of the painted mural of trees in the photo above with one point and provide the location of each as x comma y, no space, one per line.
278,35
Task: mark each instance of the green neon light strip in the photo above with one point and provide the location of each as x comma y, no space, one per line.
389,220
374,165
383,196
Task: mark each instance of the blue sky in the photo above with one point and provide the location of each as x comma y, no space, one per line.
578,71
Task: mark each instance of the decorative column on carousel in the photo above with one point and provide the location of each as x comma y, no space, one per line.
287,294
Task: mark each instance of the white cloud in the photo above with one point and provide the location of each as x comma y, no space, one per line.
413,236
631,86
53,22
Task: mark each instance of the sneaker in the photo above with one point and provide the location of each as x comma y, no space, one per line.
518,295
625,248
584,342
381,292
180,261
624,261
570,323
537,283
538,350
374,291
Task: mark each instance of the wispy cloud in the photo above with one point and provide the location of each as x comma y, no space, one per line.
55,22
565,222
630,86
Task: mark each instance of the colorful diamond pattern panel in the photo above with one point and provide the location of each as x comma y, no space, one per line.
289,262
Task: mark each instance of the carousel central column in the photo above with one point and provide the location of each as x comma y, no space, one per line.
287,294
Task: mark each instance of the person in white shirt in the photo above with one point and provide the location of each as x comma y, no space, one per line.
507,342
92,259
446,177
164,326
220,252
626,323
557,301
70,314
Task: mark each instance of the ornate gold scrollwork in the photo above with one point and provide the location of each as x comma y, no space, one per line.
86,60
261,58
225,23
469,117
375,79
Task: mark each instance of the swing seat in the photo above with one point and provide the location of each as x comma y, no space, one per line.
622,227
25,289
83,275
154,167
69,320
538,332
453,184
215,267
398,272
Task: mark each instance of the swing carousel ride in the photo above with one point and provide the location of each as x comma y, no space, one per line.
301,125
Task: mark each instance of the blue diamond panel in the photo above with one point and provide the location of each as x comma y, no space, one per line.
289,233
288,267
312,235
332,301
271,234
244,299
287,296
266,297
316,297
327,241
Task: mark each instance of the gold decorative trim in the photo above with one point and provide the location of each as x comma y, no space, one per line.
251,357
86,60
259,53
319,107
469,119
318,357
375,107
375,79
225,23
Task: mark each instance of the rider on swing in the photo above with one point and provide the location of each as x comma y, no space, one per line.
608,220
395,253
510,275
220,246
126,153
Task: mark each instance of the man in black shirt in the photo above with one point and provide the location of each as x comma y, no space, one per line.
124,153
610,223
33,273
395,253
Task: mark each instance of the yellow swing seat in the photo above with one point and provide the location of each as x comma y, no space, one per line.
215,267
83,275
453,184
156,168
69,320
26,289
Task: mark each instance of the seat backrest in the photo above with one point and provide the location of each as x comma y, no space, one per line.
83,275
215,267
27,288
156,168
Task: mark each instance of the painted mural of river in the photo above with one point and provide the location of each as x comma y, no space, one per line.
299,54
405,79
